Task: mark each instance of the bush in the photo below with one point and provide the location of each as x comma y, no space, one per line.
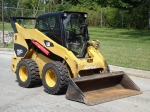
111,17
139,18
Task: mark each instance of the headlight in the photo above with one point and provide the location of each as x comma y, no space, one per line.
85,15
65,14
95,44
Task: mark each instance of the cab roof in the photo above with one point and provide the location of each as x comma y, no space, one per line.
60,13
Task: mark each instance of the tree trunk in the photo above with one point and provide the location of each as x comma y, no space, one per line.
18,3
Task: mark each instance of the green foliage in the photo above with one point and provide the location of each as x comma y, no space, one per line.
63,7
125,4
9,3
114,13
112,17
26,4
139,18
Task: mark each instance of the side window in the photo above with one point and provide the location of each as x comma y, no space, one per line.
50,26
52,22
40,25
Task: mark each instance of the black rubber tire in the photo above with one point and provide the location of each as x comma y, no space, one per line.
33,78
62,77
38,80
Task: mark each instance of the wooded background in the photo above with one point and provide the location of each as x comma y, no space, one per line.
103,13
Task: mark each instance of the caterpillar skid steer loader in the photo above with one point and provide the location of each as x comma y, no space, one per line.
58,53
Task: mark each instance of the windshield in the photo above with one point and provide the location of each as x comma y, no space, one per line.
74,33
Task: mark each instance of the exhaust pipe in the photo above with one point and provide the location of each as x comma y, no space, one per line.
100,88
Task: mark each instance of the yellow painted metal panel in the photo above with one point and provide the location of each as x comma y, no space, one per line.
76,64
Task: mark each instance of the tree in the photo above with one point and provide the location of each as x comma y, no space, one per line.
7,4
10,3
32,4
125,4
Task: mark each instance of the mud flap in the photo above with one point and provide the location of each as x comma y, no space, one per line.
101,88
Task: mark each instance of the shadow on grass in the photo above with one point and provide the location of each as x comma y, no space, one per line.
137,34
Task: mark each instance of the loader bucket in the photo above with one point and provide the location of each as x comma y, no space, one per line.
101,88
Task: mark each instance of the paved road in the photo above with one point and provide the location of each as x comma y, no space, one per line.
17,99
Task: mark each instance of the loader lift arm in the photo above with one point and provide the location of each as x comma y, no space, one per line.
13,20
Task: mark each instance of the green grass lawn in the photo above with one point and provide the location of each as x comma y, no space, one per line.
120,47
7,26
126,48
11,45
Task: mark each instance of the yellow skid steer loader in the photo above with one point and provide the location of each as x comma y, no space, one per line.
57,53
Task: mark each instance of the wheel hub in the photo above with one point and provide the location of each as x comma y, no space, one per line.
50,78
23,73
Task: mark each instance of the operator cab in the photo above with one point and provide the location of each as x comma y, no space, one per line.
67,29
